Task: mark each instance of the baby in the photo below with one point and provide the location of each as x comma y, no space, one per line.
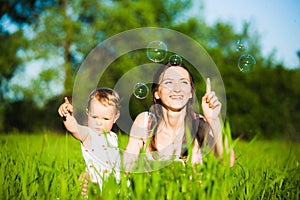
98,143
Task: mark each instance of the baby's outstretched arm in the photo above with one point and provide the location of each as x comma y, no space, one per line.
65,110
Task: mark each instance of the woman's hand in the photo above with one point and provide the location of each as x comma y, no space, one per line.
211,106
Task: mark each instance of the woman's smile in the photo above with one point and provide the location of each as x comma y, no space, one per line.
176,97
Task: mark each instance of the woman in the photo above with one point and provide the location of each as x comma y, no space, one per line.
173,100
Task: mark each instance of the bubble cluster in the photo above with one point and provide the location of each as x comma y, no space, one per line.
140,90
157,51
246,63
175,60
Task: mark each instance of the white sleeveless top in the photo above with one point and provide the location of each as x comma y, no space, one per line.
173,150
102,156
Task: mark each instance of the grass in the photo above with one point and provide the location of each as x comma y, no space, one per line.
47,166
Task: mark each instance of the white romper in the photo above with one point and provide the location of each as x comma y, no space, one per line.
102,156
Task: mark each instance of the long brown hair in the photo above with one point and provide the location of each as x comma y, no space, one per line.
193,126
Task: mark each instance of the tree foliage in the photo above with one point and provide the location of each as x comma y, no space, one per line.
62,32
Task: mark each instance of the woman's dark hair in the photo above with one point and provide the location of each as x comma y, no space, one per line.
194,125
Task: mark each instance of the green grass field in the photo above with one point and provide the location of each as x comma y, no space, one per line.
47,166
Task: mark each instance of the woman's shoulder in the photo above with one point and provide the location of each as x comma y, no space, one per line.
143,114
198,118
140,125
142,118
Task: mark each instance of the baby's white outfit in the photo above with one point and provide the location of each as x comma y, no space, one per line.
102,157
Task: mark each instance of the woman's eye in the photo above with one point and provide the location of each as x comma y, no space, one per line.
168,82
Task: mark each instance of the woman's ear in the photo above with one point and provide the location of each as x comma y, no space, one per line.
87,111
191,95
156,95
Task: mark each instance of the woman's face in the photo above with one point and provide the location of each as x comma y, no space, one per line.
174,88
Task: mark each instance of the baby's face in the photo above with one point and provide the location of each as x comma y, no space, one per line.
101,117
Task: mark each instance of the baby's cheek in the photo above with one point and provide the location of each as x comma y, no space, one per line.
93,124
108,125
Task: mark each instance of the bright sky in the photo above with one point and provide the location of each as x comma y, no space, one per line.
276,21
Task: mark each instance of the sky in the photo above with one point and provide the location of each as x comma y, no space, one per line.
276,21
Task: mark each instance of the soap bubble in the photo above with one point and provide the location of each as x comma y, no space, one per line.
240,45
175,60
157,51
140,90
246,63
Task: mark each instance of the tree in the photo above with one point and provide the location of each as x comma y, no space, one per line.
59,35
18,14
71,29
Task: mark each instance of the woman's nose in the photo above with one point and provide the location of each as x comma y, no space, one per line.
176,87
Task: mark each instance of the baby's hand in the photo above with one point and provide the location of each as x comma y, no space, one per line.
65,109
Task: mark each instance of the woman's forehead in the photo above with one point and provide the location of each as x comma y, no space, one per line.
175,72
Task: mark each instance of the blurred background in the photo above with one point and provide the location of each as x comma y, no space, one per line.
43,43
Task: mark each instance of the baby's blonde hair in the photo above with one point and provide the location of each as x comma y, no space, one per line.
105,96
